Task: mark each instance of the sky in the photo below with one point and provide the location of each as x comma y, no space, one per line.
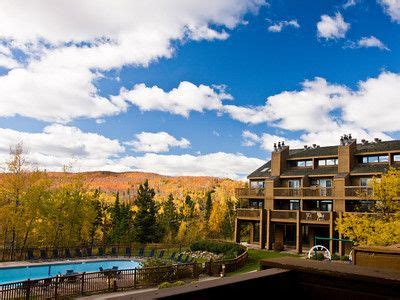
200,87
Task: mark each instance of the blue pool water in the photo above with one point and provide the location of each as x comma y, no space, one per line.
14,274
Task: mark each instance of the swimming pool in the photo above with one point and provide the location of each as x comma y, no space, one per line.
13,274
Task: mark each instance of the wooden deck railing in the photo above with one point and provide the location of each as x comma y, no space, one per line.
303,192
284,214
249,192
358,191
248,213
291,215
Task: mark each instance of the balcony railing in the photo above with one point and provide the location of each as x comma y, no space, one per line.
284,214
249,192
304,192
249,213
319,216
307,216
358,191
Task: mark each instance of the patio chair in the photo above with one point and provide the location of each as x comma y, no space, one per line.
128,251
67,253
320,216
78,252
179,259
114,268
161,254
141,252
172,257
89,251
101,251
43,254
30,254
152,252
101,269
113,251
186,260
55,253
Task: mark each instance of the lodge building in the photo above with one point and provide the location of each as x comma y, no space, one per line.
299,193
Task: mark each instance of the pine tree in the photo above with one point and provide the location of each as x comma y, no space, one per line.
208,206
145,225
169,219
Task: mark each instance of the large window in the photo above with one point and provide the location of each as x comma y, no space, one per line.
396,158
304,163
375,159
328,162
294,183
259,184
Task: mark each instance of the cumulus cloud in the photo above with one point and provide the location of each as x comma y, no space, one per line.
86,151
322,112
156,142
219,164
368,42
69,44
392,8
182,100
277,27
332,27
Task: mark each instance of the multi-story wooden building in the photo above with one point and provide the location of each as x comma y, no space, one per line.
299,193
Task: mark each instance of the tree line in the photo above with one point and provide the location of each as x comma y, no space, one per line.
38,211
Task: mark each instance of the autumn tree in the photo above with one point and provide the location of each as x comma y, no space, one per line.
382,225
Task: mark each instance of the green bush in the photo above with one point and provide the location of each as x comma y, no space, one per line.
334,256
155,262
345,258
218,247
278,246
167,284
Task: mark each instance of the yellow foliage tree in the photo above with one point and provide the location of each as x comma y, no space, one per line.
382,225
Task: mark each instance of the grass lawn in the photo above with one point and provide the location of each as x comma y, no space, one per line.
253,262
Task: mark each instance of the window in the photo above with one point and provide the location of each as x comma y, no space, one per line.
375,159
257,184
396,157
294,204
295,183
328,162
304,163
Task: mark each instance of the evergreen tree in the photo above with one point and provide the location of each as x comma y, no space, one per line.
121,220
208,206
146,227
169,219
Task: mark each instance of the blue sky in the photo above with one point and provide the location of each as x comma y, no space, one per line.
245,64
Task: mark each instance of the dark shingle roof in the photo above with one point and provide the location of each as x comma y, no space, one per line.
378,147
309,171
313,152
263,171
369,168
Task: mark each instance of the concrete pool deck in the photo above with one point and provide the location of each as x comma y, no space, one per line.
32,263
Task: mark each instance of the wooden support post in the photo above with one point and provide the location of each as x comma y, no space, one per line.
331,224
268,225
299,247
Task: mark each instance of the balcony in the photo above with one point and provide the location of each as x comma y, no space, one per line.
358,191
290,216
249,193
304,192
249,213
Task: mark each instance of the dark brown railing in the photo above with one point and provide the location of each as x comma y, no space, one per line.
315,216
248,192
303,192
249,213
284,214
358,191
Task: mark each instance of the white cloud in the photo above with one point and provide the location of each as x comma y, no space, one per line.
332,27
69,44
156,142
60,145
266,140
277,27
392,8
182,100
218,164
349,3
368,42
93,152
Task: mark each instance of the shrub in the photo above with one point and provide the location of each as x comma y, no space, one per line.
278,246
319,256
218,247
155,262
167,284
334,256
345,258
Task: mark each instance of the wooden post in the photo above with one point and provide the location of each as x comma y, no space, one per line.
268,230
134,278
56,288
28,289
83,283
340,237
299,247
331,223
